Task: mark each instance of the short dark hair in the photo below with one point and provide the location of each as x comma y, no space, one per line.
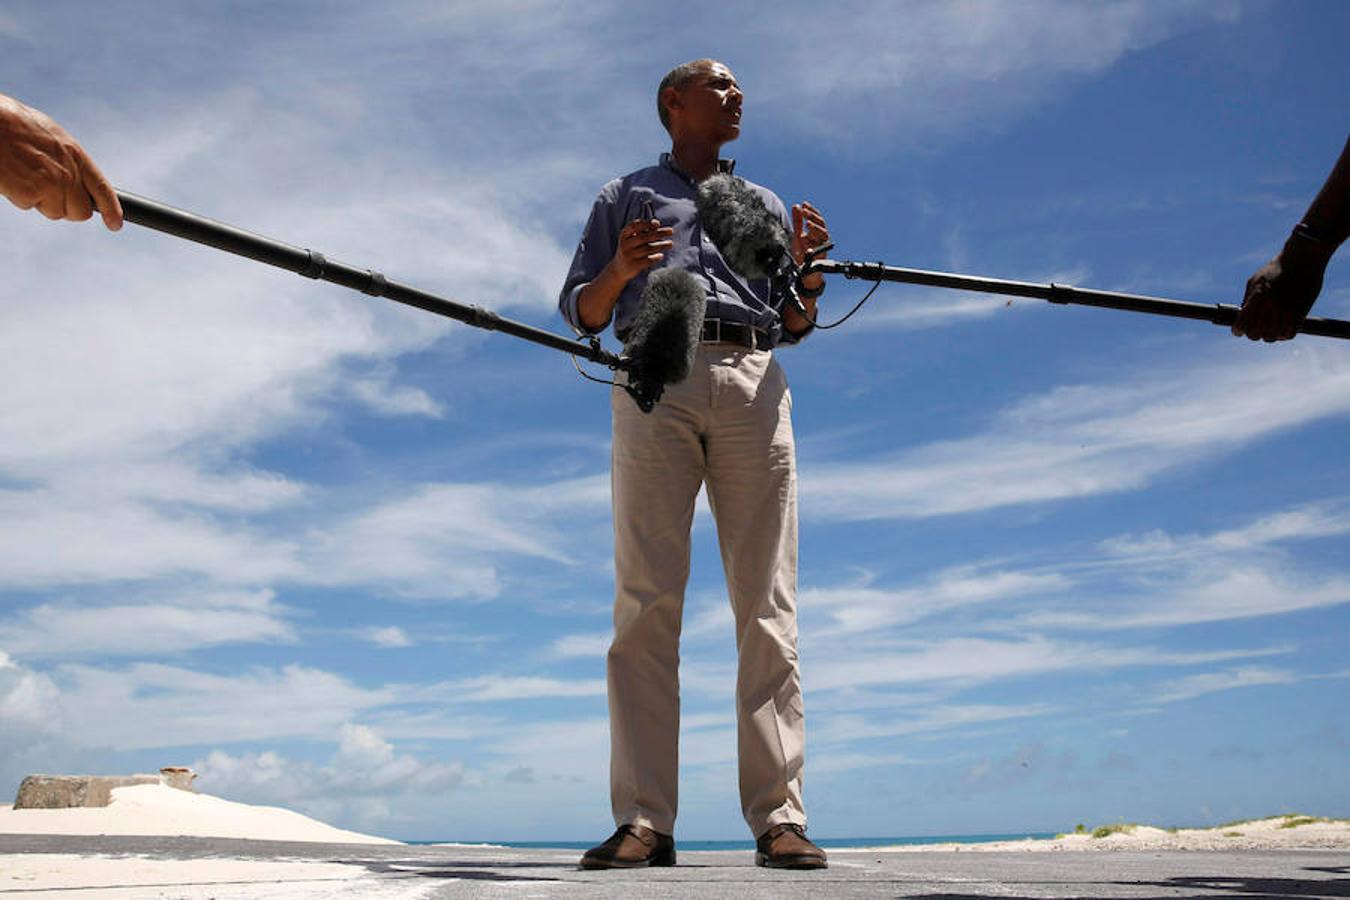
677,78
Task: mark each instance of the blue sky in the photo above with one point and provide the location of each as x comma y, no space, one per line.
1059,565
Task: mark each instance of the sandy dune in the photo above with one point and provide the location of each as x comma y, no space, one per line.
153,809
1261,834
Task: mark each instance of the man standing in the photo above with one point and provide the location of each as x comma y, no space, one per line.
728,425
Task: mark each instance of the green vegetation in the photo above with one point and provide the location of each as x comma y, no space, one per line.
1102,831
1295,821
1080,828
1232,834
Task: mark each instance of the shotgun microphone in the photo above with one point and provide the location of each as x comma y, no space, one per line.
752,240
664,336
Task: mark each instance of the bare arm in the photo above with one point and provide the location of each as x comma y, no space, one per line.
1280,293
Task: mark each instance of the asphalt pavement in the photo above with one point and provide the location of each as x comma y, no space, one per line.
459,872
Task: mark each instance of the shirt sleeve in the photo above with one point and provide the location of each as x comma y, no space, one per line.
598,242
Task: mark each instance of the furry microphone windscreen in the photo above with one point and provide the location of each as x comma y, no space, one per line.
666,328
753,241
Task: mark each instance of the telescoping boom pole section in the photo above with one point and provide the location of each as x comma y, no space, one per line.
1218,313
155,215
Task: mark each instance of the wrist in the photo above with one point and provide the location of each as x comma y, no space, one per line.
615,274
811,286
1315,234
1305,246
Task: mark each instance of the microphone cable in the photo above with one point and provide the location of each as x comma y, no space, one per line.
801,309
796,273
588,376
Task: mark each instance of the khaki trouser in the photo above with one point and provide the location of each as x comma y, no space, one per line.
729,425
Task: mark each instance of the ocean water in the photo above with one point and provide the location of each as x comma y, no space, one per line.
827,843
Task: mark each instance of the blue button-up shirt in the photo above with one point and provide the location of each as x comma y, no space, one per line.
667,193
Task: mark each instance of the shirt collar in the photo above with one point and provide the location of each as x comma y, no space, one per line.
724,166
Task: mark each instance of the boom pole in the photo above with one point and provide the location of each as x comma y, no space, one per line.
1218,313
312,264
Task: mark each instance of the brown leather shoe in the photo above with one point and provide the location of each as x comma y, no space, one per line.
785,847
631,847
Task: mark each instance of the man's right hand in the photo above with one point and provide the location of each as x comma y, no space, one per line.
42,166
642,244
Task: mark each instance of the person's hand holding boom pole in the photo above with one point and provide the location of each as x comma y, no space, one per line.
1281,293
43,167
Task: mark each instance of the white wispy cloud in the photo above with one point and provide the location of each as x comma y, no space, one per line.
1086,440
1211,682
388,637
925,70
450,540
149,705
586,646
380,395
1210,593
965,662
1314,521
437,541
493,688
147,629
1150,579
53,536
871,609
935,310
1157,579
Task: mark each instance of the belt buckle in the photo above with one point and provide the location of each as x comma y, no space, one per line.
715,331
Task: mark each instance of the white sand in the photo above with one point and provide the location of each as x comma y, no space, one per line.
60,876
153,809
1263,834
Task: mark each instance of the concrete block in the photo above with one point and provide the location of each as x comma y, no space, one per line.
75,791
180,777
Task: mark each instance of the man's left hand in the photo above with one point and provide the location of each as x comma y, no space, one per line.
809,231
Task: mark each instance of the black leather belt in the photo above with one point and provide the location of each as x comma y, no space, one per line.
716,331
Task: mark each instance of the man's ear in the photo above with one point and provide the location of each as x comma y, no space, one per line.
670,98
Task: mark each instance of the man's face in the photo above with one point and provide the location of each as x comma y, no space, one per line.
708,106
